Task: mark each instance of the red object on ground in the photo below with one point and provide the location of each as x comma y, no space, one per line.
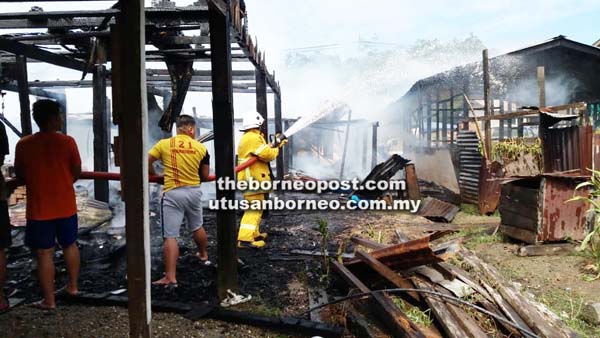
97,175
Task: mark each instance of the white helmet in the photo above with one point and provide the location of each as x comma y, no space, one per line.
251,120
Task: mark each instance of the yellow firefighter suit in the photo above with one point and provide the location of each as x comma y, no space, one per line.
253,144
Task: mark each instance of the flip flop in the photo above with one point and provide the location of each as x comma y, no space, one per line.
166,285
41,306
206,262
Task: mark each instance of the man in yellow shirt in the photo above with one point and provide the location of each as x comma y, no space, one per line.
253,144
186,163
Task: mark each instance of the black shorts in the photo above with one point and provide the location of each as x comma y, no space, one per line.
5,238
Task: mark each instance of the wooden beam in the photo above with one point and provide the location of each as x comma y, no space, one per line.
133,131
412,182
44,15
279,130
487,104
227,274
36,53
428,120
180,16
388,274
261,100
101,131
395,320
541,80
374,145
345,151
22,84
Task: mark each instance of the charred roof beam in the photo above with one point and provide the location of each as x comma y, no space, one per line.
36,53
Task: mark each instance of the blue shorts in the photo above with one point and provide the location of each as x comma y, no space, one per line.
45,234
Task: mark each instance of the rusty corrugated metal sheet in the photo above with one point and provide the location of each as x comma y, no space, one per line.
438,211
561,220
469,159
489,187
567,148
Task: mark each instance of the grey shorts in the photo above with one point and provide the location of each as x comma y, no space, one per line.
180,203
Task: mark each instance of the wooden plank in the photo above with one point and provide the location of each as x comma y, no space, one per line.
278,130
388,274
261,100
374,145
101,131
440,311
520,234
412,183
395,320
367,243
488,302
220,44
133,131
358,325
22,84
546,249
36,53
487,103
522,307
464,320
541,81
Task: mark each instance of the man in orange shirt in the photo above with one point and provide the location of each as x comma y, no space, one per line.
186,163
48,163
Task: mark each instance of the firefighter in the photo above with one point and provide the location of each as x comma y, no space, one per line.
253,143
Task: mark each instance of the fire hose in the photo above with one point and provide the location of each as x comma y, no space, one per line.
99,175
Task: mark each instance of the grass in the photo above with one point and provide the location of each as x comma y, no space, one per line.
415,314
568,307
477,236
470,209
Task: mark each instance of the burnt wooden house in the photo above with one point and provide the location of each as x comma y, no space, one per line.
110,48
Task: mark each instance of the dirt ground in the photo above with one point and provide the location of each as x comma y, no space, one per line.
280,280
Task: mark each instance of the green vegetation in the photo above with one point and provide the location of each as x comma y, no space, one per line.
568,307
470,209
591,242
414,313
476,236
511,149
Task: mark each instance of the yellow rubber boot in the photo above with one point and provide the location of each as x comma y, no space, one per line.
250,223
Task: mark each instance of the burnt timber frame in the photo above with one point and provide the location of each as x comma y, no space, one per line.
224,160
227,26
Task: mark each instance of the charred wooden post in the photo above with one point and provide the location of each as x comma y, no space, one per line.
220,45
133,130
445,123
61,99
501,135
279,129
261,100
365,148
437,119
345,151
287,153
452,116
487,103
101,129
428,117
166,99
420,114
374,145
541,80
23,86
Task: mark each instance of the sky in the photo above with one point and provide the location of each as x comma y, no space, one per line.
282,26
